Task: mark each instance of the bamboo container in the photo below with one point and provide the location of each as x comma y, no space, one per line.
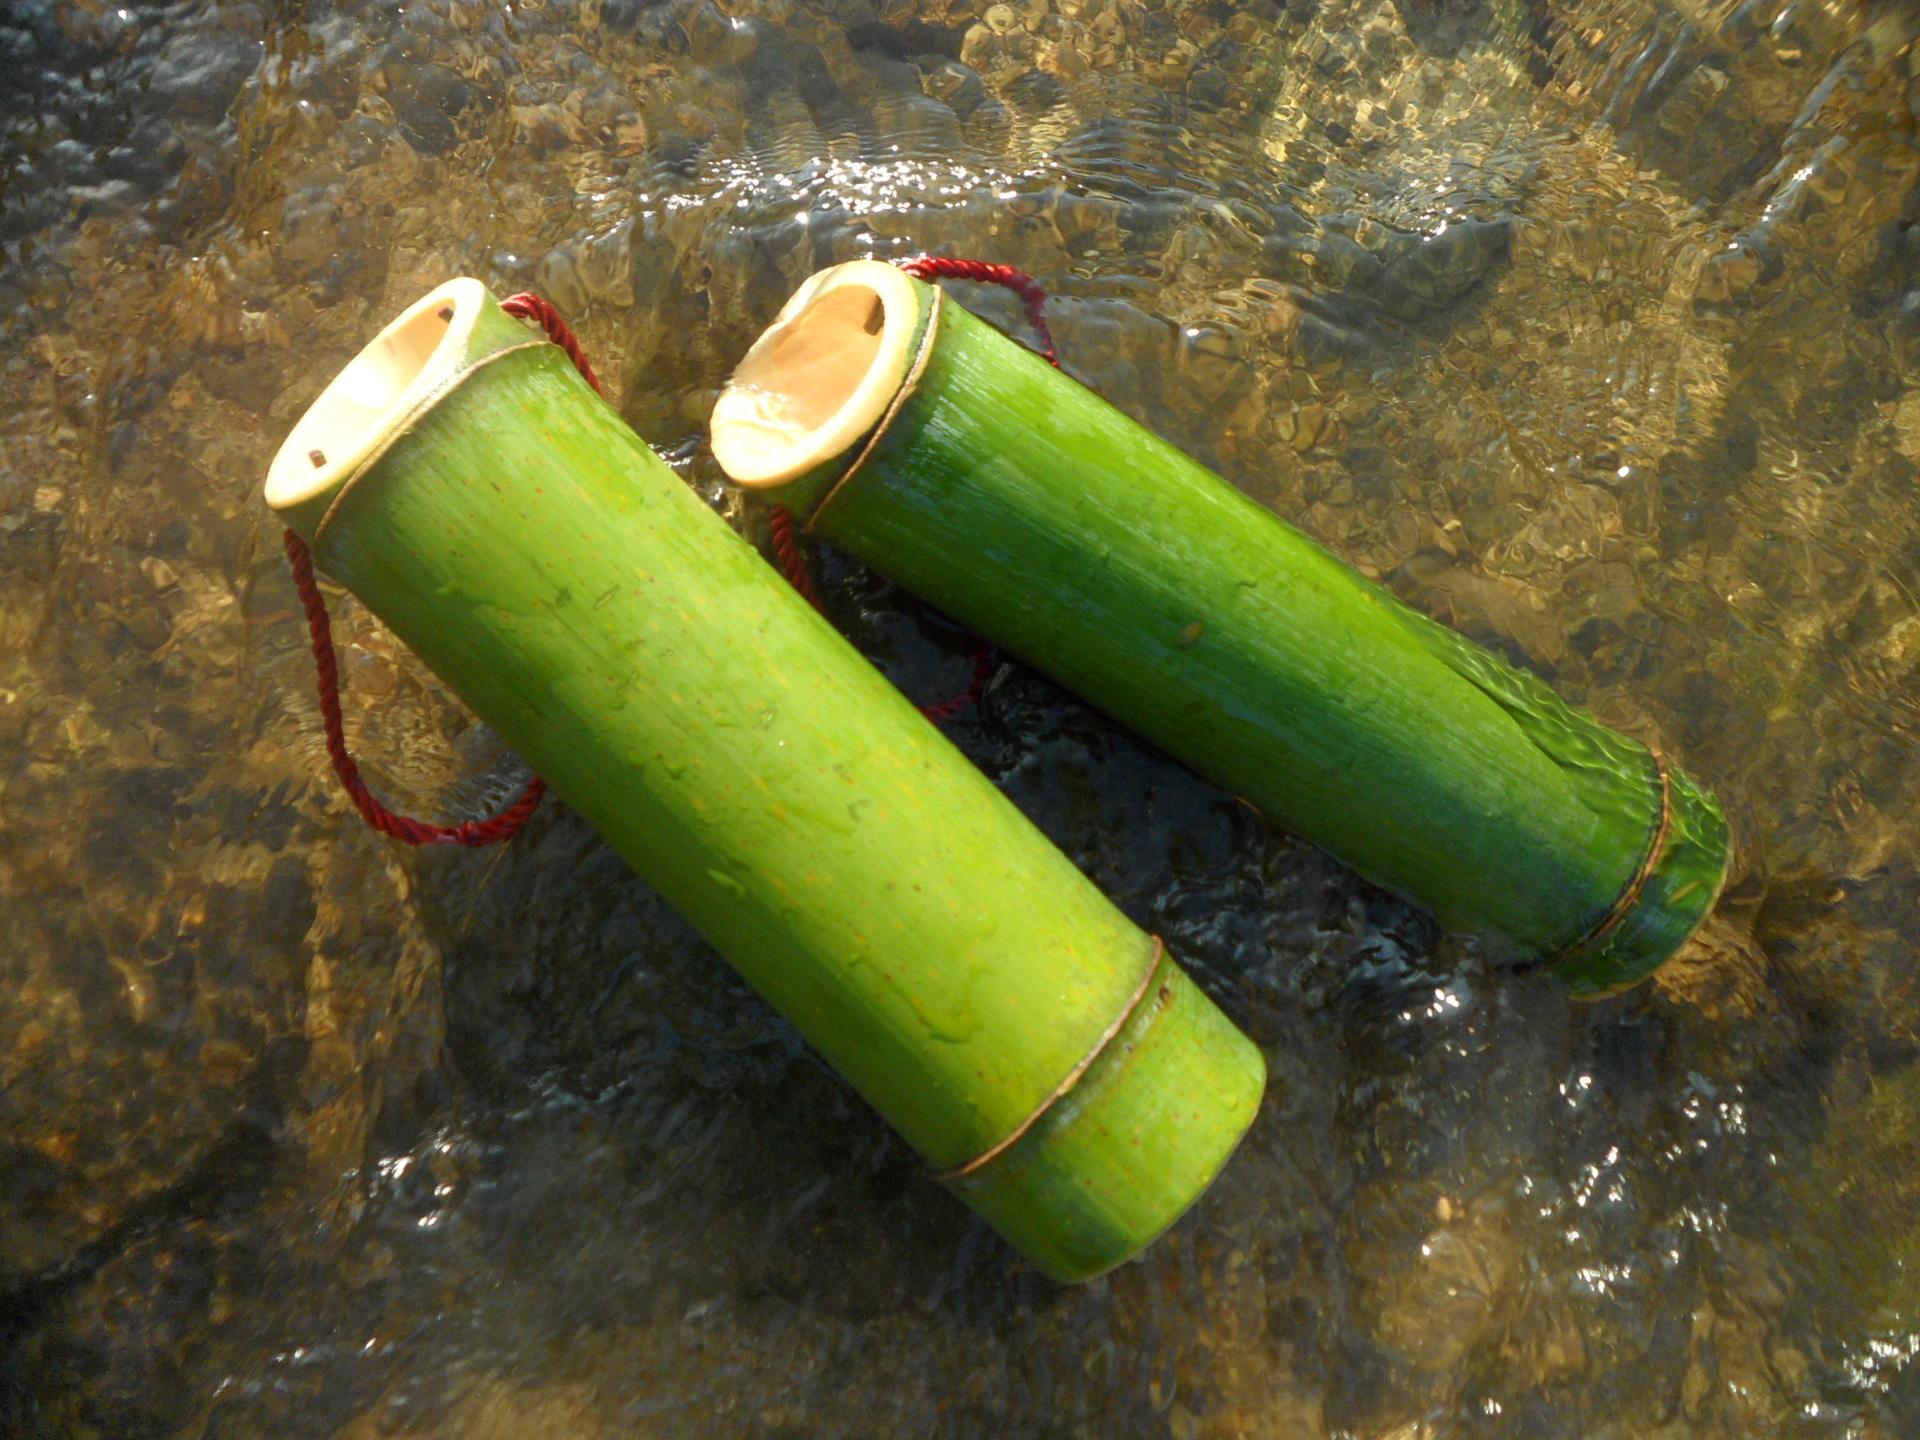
936,450
1040,1052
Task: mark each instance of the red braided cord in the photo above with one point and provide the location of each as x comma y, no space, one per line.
327,671
400,827
793,565
529,306
947,267
786,544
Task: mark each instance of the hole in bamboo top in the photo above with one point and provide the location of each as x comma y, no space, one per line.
820,377
378,387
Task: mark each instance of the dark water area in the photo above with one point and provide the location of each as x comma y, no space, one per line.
1591,327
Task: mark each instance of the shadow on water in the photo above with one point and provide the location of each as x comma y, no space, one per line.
1591,327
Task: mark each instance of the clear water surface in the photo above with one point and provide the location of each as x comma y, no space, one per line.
1590,326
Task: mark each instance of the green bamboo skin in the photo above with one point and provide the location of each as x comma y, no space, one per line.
1012,497
941,954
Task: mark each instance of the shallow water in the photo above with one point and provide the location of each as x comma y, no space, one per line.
1590,326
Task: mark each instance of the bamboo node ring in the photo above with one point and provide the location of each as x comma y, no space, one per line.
1074,1076
1629,896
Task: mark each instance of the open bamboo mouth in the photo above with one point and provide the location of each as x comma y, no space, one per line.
380,386
820,377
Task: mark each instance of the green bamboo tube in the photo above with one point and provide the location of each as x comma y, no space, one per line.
463,481
1007,494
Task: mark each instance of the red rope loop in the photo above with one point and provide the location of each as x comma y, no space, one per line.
948,267
327,673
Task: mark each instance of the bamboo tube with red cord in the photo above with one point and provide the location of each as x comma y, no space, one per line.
951,459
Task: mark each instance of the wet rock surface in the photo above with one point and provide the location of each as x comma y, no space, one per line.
1585,325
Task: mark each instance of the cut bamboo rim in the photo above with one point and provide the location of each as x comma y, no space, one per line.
370,399
820,377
